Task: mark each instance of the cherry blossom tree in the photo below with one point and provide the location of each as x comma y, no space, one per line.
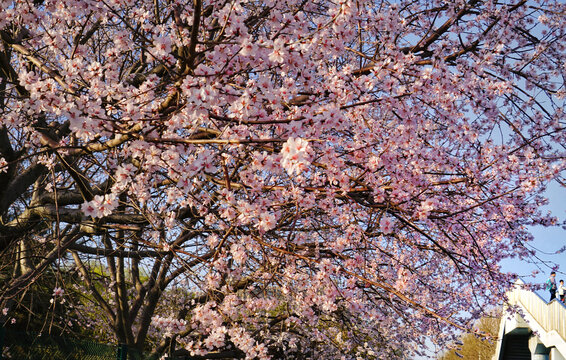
310,178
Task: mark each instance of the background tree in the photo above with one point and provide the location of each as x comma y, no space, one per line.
477,347
323,178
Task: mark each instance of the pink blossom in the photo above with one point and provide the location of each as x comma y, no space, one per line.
58,292
267,221
386,225
3,165
248,48
162,45
238,253
278,53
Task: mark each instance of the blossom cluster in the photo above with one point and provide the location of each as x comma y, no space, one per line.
169,325
295,155
100,205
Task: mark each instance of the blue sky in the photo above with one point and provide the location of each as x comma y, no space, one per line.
547,241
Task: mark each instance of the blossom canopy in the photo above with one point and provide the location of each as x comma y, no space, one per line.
313,178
